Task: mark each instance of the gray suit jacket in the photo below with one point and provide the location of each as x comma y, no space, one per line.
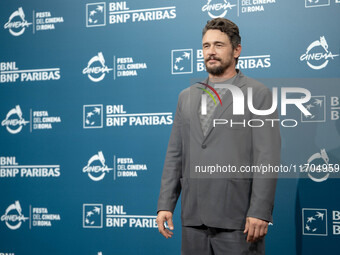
222,201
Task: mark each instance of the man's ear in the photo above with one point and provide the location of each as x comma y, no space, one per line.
237,51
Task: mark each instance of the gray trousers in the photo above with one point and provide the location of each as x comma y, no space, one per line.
203,240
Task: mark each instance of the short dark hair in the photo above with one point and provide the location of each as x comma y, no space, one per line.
226,26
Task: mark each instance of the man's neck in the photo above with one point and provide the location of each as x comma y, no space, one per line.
228,74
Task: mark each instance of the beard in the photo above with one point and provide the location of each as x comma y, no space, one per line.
217,70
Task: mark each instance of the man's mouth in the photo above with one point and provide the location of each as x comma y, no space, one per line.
212,60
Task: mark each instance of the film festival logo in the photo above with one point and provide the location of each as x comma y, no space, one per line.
92,216
14,121
317,55
318,166
42,20
96,68
95,14
13,216
17,23
316,3
39,120
314,221
181,61
38,217
219,9
96,168
93,116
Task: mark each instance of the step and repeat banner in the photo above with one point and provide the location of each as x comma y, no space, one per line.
88,93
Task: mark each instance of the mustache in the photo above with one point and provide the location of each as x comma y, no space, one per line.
212,58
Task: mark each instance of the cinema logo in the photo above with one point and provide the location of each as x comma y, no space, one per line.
319,168
14,120
182,61
9,72
40,120
317,55
315,222
96,68
219,9
238,105
96,168
122,67
10,168
39,217
222,8
116,116
114,216
120,12
17,23
13,216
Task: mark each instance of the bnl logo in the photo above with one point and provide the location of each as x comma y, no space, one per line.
314,221
92,216
95,14
181,61
317,107
93,116
316,3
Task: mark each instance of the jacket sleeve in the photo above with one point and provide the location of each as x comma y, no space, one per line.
172,171
266,149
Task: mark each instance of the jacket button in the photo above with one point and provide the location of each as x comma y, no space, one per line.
204,146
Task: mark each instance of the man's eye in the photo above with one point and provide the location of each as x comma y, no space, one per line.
219,45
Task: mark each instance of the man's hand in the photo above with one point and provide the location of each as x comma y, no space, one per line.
162,217
255,228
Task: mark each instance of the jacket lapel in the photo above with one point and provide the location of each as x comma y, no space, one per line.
195,122
227,101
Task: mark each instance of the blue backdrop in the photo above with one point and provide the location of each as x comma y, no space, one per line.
88,92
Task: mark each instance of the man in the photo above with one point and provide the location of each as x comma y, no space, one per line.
222,214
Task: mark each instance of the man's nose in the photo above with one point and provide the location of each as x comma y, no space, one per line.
211,50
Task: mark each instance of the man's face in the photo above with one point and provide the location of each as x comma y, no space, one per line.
218,52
